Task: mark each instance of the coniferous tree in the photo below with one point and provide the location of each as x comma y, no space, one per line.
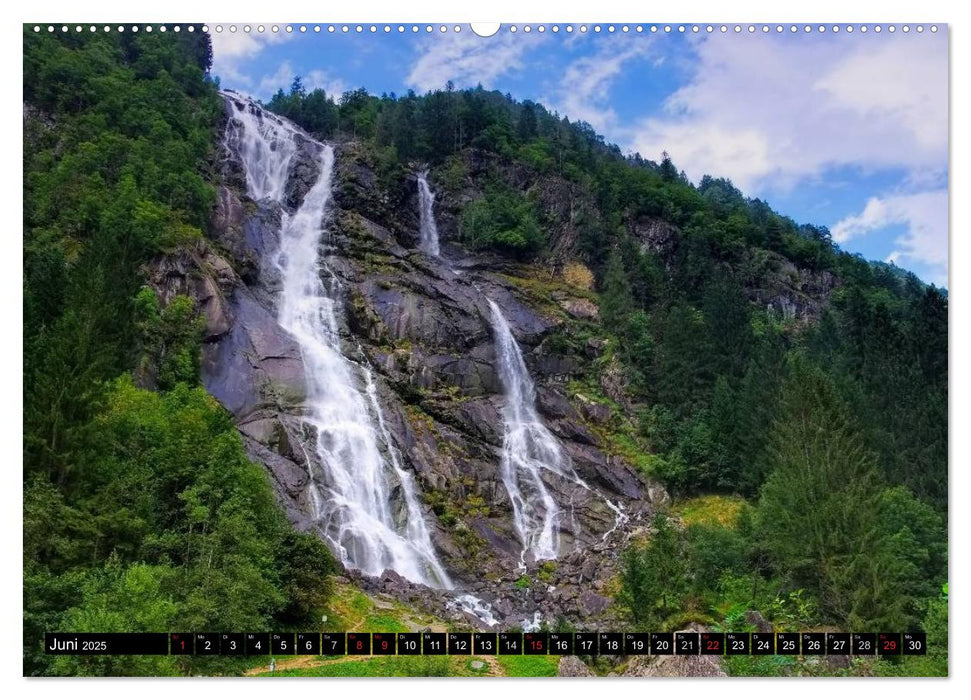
820,509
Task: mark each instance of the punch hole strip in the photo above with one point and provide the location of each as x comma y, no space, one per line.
492,30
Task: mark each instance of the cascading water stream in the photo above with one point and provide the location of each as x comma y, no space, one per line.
364,503
426,203
529,449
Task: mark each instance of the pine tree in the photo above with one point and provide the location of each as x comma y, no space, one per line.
653,574
820,509
615,300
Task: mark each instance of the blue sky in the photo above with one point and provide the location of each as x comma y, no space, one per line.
846,130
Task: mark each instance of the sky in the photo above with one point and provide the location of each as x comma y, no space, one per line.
844,130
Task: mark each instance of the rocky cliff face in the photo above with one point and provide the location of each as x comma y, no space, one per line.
423,325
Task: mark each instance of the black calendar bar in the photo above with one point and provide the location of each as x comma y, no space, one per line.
97,643
487,643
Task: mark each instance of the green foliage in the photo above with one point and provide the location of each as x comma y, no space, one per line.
653,575
820,510
615,300
170,339
119,132
503,220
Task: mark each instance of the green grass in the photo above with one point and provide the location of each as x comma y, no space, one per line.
529,666
711,510
387,666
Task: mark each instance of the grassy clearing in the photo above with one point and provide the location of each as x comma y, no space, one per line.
388,666
711,510
528,666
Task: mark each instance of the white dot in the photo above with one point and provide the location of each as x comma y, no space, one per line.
527,29
836,28
920,28
695,29
555,28
934,28
906,28
289,29
458,28
219,28
36,28
751,29
569,27
541,29
303,29
822,28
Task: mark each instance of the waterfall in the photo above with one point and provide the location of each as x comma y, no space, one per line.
528,450
426,203
365,504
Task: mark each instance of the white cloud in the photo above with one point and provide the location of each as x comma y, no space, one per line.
467,59
771,111
585,88
281,79
231,49
332,85
925,216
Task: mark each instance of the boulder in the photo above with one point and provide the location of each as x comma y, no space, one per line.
572,667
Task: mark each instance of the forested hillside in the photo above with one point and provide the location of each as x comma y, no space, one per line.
759,359
141,511
791,397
